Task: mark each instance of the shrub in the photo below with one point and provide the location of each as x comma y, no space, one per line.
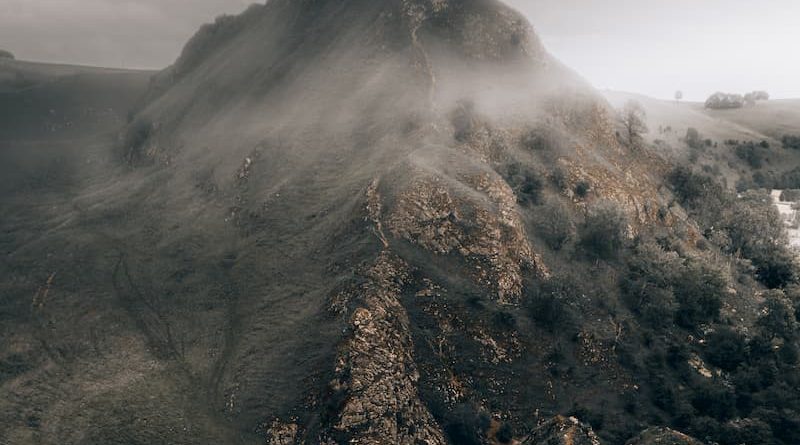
777,270
778,317
542,139
559,178
748,431
525,182
605,231
699,290
551,303
505,434
756,230
6,55
693,139
467,425
582,189
714,399
751,153
136,136
647,287
726,349
555,225
691,188
464,120
703,196
790,179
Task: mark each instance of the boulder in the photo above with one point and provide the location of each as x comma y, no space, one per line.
562,430
662,436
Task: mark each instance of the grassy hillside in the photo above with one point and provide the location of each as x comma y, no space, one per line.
744,146
43,101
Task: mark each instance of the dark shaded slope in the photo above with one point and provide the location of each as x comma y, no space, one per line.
41,101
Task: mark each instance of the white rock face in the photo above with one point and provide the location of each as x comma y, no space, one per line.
791,217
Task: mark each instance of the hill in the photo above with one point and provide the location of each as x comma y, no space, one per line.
392,221
744,146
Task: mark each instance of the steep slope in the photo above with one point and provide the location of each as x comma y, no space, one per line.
361,221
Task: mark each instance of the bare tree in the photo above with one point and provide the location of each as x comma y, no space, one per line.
634,119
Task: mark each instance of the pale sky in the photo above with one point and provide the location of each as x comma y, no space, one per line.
652,47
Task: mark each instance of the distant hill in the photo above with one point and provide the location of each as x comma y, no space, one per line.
767,121
46,100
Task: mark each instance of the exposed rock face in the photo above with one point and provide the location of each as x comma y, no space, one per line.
562,431
492,239
376,368
663,436
280,433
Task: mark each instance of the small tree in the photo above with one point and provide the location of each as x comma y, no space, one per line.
678,96
634,122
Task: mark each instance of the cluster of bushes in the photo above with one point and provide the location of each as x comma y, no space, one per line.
751,98
791,142
555,225
754,154
721,101
749,225
553,303
754,401
771,180
604,232
6,55
600,236
525,182
663,288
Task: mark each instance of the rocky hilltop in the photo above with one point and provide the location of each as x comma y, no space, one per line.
378,222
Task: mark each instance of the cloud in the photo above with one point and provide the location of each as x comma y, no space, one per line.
651,47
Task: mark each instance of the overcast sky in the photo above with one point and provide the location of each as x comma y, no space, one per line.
652,47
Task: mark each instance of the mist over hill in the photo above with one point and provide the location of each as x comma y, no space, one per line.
391,221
